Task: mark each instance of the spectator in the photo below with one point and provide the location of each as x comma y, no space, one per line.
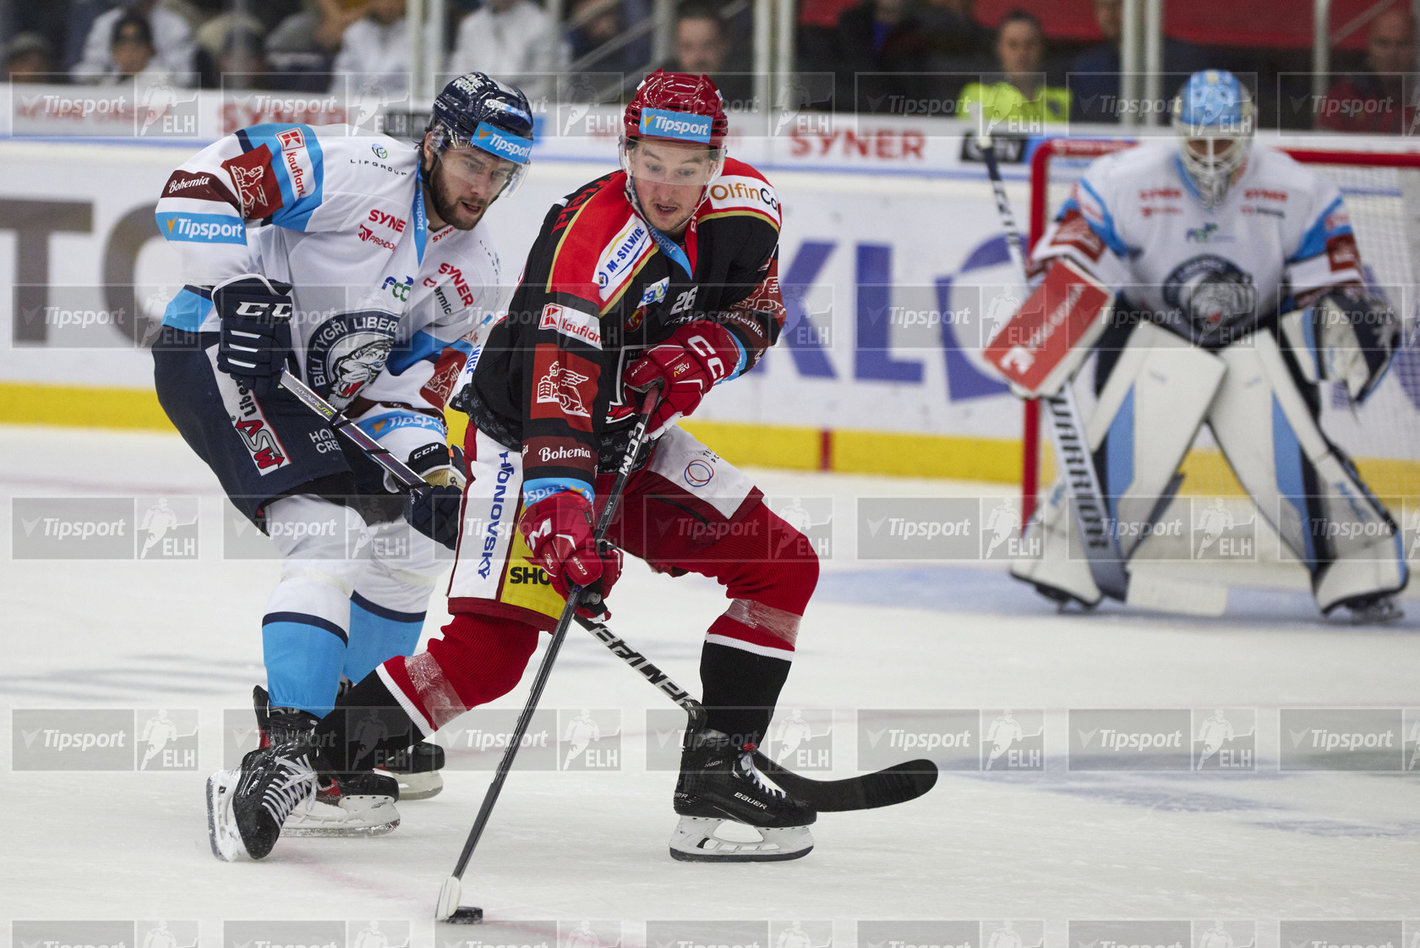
605,49
1094,75
882,56
174,47
514,40
301,49
133,53
816,42
1377,100
959,48
29,58
374,53
242,61
1019,94
702,47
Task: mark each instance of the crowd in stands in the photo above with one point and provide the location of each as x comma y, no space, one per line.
903,57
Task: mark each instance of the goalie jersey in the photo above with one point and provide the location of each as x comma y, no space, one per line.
377,295
1215,275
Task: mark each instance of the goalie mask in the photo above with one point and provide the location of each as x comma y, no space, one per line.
476,111
1213,116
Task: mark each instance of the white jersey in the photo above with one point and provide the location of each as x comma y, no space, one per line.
377,296
1210,275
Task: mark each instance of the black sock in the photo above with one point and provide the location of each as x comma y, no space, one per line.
740,691
365,729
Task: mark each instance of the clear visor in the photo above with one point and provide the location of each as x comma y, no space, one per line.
472,166
661,162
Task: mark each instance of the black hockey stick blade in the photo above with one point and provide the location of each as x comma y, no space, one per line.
892,785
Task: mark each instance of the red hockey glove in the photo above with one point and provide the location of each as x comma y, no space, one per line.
689,363
558,531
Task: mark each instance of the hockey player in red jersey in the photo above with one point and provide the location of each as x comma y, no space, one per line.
664,272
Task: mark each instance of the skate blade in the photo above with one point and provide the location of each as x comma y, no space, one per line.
704,839
416,786
222,832
354,816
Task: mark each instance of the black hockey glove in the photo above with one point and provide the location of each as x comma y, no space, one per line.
434,510
256,330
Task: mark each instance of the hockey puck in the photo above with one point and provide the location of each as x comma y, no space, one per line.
449,909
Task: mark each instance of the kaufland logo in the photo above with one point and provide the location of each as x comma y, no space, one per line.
498,142
683,125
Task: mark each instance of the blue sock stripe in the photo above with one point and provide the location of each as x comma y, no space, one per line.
303,661
301,618
385,612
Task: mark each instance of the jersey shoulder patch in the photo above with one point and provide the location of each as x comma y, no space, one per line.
740,189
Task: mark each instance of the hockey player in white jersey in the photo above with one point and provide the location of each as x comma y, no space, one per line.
361,265
1238,288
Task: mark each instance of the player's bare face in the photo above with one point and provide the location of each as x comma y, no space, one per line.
670,180
464,182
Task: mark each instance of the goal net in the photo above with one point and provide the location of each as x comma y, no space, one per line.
1382,194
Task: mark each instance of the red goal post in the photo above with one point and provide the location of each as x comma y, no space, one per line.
1382,192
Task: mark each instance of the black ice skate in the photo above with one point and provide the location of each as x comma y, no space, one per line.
246,807
728,812
416,768
351,804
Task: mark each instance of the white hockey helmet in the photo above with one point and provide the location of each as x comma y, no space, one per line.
1214,118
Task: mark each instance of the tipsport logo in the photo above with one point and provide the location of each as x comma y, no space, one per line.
146,740
707,933
949,737
1130,739
140,933
1162,933
1347,933
951,933
317,933
575,739
1349,739
104,528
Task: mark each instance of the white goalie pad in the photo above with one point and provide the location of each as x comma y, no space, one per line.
1320,508
1155,399
1050,336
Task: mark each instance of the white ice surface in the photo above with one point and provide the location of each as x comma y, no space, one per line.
1054,846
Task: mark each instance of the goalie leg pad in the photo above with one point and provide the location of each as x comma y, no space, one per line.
1149,410
1300,482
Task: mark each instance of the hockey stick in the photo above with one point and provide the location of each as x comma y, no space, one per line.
448,908
896,784
1101,542
1072,448
401,472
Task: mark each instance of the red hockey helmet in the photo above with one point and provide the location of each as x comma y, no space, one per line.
678,107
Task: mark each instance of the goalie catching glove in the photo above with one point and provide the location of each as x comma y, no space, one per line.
696,357
435,511
1347,336
558,531
256,330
